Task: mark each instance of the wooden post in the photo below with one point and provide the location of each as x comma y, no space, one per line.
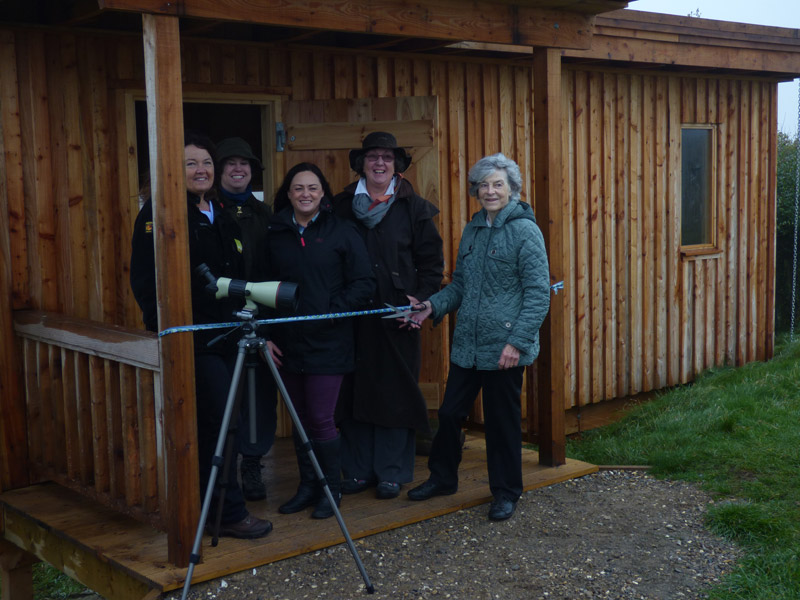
16,572
13,424
548,197
167,180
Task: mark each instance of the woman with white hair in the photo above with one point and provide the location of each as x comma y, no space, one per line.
501,291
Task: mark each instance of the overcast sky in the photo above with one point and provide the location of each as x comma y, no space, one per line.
781,13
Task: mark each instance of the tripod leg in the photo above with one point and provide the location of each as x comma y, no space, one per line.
194,557
306,444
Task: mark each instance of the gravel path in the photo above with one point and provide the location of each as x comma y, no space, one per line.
614,534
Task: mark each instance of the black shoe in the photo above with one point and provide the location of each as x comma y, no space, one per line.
355,486
501,509
253,486
387,490
429,489
248,528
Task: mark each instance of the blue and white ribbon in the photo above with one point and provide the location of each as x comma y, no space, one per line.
340,315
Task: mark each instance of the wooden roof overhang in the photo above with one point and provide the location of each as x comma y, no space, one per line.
554,23
627,38
667,41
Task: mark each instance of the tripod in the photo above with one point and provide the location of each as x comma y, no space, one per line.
251,345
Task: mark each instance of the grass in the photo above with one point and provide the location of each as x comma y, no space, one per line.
736,433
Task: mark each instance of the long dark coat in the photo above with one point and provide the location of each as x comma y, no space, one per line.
405,250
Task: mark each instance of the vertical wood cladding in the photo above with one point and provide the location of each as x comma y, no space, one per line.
640,314
646,315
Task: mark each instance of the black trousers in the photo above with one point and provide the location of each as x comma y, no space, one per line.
213,375
502,412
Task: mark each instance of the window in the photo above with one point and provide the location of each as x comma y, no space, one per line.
698,175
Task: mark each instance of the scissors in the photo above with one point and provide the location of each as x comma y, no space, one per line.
402,312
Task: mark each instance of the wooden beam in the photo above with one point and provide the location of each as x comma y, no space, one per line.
13,425
480,21
548,197
85,564
339,136
165,118
16,572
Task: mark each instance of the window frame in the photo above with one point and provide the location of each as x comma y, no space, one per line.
270,109
711,247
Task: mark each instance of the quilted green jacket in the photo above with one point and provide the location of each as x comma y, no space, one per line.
501,289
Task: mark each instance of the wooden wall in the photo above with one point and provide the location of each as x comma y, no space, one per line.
643,315
68,147
69,206
646,315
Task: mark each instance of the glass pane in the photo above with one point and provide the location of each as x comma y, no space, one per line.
696,198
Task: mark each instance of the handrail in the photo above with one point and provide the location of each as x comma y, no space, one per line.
94,411
129,346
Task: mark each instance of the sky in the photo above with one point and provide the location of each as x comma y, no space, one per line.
780,13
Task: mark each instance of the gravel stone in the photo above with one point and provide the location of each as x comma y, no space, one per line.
618,534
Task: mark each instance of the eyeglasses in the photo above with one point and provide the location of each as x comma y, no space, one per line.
387,158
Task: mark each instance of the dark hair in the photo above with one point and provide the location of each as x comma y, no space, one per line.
201,140
282,195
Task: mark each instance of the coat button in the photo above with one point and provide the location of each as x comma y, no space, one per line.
508,325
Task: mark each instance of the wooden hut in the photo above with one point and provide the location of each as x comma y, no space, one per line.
648,144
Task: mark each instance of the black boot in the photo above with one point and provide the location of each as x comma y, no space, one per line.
330,462
253,486
308,491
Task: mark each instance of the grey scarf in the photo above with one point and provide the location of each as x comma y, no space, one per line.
370,217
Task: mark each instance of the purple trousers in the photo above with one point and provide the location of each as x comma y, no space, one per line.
314,398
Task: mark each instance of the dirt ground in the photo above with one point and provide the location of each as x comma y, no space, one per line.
614,534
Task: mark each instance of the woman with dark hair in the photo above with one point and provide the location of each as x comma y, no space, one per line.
501,290
214,239
382,408
308,245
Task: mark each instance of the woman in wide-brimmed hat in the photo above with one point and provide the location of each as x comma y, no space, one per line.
381,407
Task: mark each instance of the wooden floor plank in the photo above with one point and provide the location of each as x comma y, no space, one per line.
136,551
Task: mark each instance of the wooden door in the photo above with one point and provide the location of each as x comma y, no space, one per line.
324,131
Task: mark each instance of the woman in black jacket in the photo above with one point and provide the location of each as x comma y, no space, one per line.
326,257
214,239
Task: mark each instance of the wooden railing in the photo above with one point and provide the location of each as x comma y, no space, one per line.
94,411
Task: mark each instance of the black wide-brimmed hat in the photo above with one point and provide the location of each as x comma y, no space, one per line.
381,139
236,146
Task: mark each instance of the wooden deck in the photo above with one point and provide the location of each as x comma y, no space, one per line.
121,558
